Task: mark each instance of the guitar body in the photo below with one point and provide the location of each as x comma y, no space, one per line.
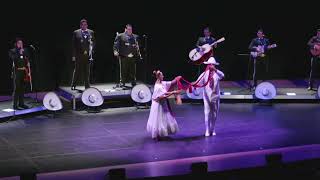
261,51
316,50
197,57
203,53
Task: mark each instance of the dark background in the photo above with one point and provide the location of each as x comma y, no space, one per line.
172,29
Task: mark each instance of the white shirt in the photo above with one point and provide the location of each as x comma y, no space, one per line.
212,89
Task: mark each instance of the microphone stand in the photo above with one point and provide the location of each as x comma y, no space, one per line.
145,57
33,74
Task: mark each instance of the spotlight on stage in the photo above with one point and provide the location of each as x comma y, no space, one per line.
141,94
52,102
265,91
195,94
93,98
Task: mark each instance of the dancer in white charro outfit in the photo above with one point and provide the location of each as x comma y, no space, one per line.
211,94
161,121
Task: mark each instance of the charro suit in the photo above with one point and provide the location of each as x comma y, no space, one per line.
19,61
126,45
80,51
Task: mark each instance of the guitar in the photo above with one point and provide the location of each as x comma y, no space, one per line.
202,53
315,51
260,51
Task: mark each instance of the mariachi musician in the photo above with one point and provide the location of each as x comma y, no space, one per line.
20,73
126,48
204,49
260,62
314,44
206,39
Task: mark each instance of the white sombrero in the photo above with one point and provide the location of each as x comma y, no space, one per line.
265,90
92,97
195,94
52,102
211,60
141,93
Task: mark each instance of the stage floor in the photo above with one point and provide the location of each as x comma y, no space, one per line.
6,109
117,136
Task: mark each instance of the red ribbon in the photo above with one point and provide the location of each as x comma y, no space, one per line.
195,84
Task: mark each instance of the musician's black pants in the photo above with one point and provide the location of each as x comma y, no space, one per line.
314,70
128,70
259,69
81,71
18,91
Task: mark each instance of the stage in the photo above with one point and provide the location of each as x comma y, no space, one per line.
92,143
33,101
237,91
231,91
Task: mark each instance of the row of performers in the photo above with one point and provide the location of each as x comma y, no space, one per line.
126,48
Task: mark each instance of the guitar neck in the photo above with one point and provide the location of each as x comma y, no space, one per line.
218,41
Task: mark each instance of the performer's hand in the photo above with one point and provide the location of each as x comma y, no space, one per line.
73,58
115,53
167,94
176,92
178,78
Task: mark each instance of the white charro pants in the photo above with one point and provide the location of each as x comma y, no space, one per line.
211,110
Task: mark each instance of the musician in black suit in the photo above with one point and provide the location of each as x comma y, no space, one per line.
19,57
126,48
314,44
83,42
258,60
207,38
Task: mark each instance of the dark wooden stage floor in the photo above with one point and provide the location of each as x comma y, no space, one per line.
117,137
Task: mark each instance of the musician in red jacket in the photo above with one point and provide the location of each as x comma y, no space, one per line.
314,44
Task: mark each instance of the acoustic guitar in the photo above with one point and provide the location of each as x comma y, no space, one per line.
202,53
260,51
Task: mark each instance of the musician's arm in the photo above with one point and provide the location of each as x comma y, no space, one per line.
267,45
